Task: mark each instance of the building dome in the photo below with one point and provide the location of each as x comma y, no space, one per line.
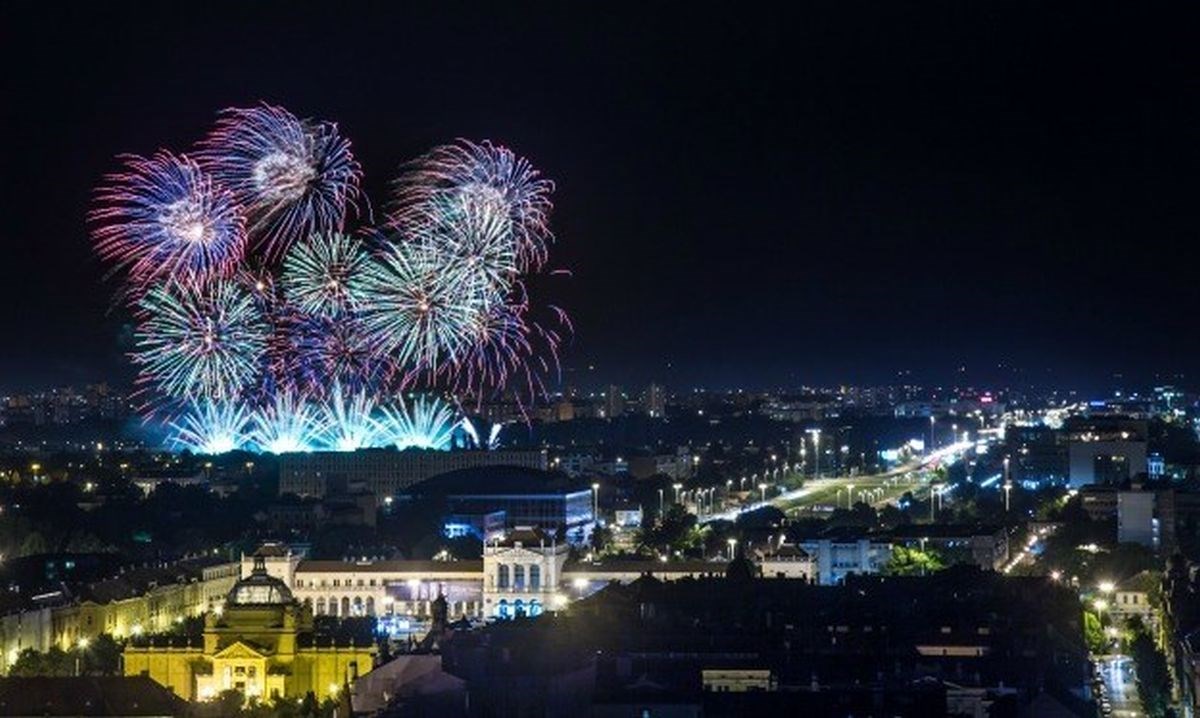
259,589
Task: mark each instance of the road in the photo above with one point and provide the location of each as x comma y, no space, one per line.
825,490
1121,689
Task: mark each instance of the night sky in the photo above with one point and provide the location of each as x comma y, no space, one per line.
974,192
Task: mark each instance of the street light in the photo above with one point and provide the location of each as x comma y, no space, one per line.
763,489
1007,485
849,496
732,543
677,487
1107,587
596,502
816,435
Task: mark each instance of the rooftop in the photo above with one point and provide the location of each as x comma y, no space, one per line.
88,696
499,480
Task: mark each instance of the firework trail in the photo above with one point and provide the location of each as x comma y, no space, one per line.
200,341
163,217
289,423
493,436
348,420
423,424
293,177
209,427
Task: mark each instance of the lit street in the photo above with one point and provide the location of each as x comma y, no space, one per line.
1120,688
876,490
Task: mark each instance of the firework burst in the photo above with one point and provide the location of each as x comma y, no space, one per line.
423,306
327,351
293,177
200,340
483,180
163,217
325,276
248,291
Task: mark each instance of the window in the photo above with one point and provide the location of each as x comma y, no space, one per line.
535,577
519,577
502,579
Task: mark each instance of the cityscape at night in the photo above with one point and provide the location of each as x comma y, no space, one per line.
599,360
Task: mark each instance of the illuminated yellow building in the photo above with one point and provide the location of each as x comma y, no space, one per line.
262,643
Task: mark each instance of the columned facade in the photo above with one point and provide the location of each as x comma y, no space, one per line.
522,574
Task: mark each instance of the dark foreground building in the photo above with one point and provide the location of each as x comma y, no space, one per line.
962,642
131,696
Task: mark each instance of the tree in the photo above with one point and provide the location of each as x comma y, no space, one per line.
602,537
1093,633
33,544
913,562
101,657
1153,678
55,662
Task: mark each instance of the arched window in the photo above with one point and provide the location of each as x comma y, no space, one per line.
370,606
321,606
358,606
345,606
535,577
502,579
519,577
519,608
502,609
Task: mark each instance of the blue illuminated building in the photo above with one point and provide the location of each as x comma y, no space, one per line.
527,497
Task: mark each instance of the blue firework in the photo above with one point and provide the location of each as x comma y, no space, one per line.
164,217
293,177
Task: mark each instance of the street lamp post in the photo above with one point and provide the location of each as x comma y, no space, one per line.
1007,485
849,496
661,504
596,503
732,543
816,435
677,487
763,489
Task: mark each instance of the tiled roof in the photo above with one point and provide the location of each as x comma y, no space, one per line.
390,566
